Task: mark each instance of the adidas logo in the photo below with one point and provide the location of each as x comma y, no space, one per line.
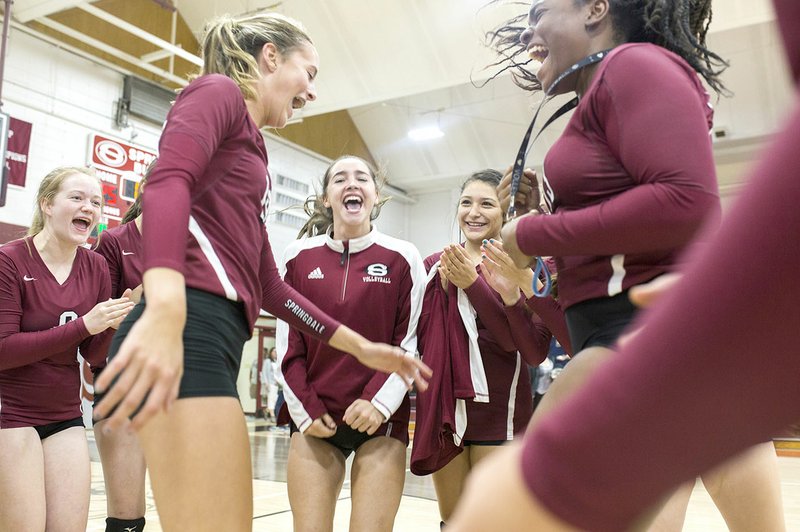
316,274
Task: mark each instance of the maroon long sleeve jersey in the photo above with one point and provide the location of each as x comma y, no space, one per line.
205,206
714,371
41,330
506,338
373,284
121,246
631,180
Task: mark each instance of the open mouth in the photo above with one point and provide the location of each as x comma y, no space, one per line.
353,203
298,102
81,224
538,53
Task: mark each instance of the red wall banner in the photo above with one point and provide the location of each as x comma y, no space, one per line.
19,143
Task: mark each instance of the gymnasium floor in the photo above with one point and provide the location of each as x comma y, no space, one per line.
418,511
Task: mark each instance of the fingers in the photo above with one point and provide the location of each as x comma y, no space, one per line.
136,294
320,429
118,392
352,412
417,372
328,421
460,255
363,417
157,398
114,367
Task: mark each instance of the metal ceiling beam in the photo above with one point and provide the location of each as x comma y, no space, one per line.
139,32
119,54
26,10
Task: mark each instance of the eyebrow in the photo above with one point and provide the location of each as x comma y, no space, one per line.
487,198
76,191
342,172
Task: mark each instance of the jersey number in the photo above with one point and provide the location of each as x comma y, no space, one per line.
67,317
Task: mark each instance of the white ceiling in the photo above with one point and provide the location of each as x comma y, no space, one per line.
396,63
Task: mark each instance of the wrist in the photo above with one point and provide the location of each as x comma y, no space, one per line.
510,299
347,340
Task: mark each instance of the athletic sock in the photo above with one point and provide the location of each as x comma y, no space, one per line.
124,525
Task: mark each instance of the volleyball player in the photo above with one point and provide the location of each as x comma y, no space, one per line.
208,269
54,301
120,453
629,183
686,394
373,283
479,349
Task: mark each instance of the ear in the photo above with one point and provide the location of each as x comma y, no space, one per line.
270,56
598,11
46,207
326,203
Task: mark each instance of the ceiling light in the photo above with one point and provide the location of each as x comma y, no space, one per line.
425,133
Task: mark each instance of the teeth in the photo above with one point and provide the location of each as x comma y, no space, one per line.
352,198
538,52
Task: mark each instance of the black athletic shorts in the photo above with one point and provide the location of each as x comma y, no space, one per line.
45,431
213,339
599,322
347,439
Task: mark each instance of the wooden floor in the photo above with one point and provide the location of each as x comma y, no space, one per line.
418,510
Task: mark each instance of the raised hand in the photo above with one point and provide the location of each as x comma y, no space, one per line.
509,236
322,427
498,262
149,363
390,359
107,314
456,266
527,198
363,416
501,284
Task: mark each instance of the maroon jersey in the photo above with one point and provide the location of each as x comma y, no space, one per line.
41,330
631,179
206,204
373,284
721,366
480,389
121,246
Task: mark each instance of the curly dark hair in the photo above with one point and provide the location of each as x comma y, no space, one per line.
680,26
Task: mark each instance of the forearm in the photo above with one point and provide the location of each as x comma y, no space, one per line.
165,293
23,348
531,337
347,340
645,218
552,315
490,311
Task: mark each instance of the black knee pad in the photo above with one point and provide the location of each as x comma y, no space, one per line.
124,525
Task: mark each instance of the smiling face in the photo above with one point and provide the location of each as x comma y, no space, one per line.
288,82
479,214
74,210
557,38
351,194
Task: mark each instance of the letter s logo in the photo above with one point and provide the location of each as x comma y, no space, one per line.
377,270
